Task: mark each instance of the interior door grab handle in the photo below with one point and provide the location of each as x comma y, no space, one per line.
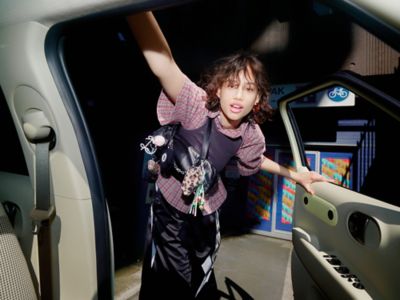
364,229
321,208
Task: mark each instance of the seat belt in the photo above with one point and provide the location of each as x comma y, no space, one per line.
38,131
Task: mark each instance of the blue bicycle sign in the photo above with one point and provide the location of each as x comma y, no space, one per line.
338,93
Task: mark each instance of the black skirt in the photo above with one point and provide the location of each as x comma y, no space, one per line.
180,254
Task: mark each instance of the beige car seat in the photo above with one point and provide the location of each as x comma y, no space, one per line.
15,279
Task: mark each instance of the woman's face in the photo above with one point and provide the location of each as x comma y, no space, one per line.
237,97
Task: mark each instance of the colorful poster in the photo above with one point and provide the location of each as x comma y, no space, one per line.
337,165
286,190
259,200
261,195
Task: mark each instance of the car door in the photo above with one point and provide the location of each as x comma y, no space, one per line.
346,237
64,248
65,239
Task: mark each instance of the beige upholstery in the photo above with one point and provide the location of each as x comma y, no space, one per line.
15,279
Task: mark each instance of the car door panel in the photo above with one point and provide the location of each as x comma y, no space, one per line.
346,243
334,257
322,272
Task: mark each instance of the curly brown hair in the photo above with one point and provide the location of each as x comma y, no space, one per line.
230,66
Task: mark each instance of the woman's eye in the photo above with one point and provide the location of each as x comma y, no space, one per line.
250,89
232,85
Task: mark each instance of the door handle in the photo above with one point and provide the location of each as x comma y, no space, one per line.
364,229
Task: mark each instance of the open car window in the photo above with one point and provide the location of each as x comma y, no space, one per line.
348,136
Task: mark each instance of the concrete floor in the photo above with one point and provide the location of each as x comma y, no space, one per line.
248,267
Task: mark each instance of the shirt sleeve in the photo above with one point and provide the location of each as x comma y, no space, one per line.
250,154
189,108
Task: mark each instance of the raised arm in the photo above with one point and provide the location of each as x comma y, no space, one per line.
305,179
157,53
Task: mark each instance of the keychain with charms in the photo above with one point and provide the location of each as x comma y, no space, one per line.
193,182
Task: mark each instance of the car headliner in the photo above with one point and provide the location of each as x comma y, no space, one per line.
50,12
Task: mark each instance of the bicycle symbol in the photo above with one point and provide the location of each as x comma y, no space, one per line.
338,93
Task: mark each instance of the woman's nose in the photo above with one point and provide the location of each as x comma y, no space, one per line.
239,93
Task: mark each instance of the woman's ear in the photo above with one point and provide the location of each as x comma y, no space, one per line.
218,93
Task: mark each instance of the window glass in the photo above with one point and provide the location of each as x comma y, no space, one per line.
350,140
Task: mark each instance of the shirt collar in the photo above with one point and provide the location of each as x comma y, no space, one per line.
231,133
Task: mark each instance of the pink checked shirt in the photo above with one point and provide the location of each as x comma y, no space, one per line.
190,111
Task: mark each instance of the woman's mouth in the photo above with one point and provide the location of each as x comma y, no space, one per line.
235,108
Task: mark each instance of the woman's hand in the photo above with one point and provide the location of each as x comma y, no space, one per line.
305,179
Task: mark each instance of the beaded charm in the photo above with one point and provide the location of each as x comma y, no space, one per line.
193,181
